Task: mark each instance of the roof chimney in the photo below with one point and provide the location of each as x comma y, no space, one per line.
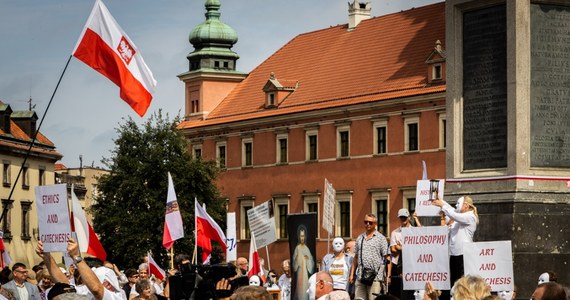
357,12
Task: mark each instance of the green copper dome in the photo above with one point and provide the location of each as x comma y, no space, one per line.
213,32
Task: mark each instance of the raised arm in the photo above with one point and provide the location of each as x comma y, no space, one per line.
51,266
89,278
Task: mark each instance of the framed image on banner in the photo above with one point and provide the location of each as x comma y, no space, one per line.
302,230
492,261
426,190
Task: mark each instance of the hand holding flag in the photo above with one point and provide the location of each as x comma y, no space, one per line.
154,269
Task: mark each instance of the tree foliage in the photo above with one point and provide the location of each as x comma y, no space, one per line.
129,210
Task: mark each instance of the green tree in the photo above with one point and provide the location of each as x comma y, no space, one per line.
129,210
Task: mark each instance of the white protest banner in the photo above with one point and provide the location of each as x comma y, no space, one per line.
231,241
53,217
424,208
492,261
262,223
425,257
328,208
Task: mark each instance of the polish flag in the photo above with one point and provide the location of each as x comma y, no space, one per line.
105,47
173,228
206,230
6,260
86,237
154,269
254,266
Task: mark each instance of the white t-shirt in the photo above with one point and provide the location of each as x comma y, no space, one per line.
339,273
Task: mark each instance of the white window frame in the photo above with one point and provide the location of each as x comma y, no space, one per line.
434,73
408,121
384,195
280,200
339,129
311,199
442,130
271,99
218,145
408,193
245,141
308,133
199,147
243,214
278,139
342,197
375,126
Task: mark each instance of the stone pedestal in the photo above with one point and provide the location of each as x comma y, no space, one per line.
508,110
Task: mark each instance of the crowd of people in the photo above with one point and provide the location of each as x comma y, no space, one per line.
366,268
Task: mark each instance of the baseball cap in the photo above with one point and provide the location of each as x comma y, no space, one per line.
403,213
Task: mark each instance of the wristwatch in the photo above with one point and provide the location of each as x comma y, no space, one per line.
77,260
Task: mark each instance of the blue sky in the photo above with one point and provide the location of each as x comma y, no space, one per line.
38,37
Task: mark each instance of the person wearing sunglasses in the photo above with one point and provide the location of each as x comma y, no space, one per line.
371,250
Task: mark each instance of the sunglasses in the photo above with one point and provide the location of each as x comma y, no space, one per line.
369,222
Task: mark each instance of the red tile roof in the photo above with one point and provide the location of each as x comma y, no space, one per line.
382,58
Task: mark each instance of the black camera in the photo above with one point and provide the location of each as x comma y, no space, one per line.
199,281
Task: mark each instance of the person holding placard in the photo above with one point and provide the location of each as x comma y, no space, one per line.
396,240
462,221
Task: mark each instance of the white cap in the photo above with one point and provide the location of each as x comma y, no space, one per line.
403,212
106,274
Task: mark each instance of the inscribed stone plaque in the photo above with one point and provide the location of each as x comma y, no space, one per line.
484,88
550,86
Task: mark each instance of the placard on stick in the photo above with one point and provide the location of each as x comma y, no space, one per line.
424,193
53,217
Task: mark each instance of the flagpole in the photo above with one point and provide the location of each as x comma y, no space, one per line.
194,260
172,257
5,210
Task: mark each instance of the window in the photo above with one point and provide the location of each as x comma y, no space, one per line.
6,173
270,99
245,205
411,205
342,214
343,144
436,72
42,175
282,149
26,208
221,154
216,64
412,134
197,151
7,221
25,177
282,205
195,106
379,199
226,64
311,205
382,215
380,137
247,152
311,152
442,131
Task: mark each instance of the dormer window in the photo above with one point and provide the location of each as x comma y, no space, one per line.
436,72
270,99
436,64
277,91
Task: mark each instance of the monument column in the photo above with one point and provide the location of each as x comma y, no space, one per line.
508,109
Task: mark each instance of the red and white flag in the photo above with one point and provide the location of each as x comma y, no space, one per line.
206,230
6,259
105,47
86,237
154,269
173,228
254,266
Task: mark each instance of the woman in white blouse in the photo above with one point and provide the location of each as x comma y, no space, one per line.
462,221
